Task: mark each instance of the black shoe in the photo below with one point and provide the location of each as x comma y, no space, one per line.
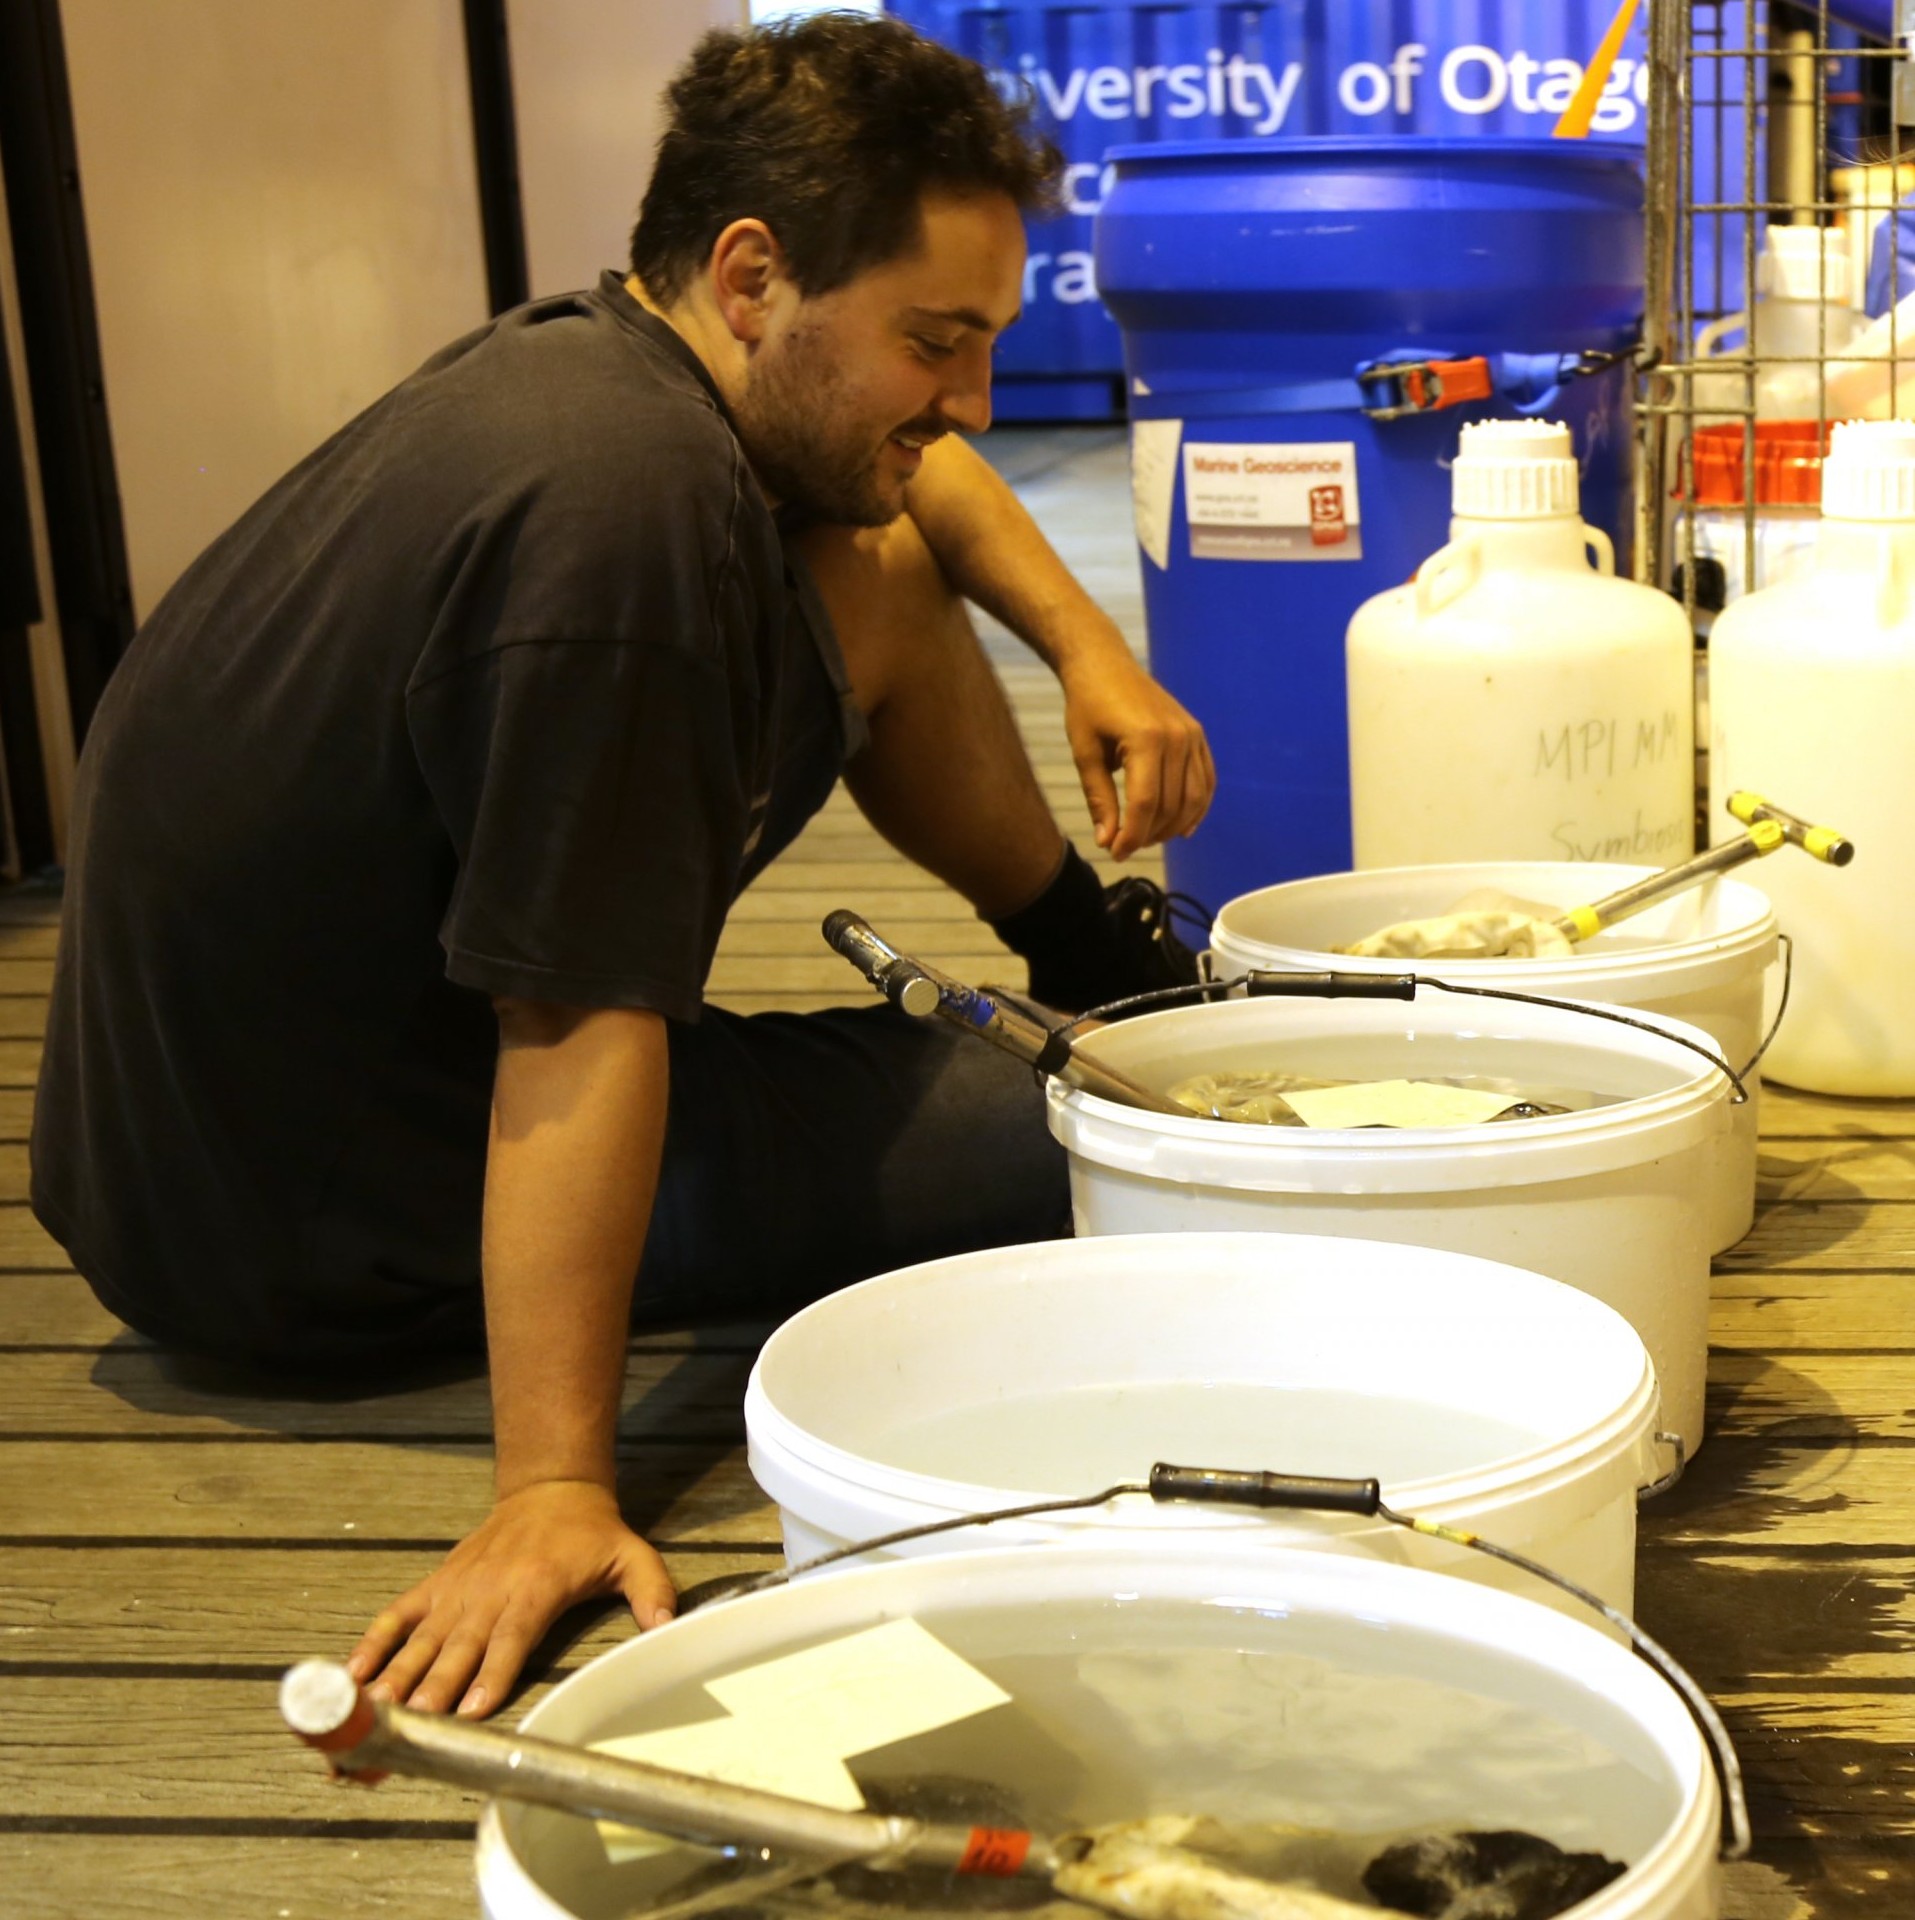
1140,914
1127,946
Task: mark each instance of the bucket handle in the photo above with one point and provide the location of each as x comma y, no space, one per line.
1258,982
1785,949
1304,1493
1674,1442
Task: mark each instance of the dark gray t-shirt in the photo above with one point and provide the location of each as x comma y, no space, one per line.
508,689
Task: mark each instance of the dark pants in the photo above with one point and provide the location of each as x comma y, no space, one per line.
808,1150
802,1152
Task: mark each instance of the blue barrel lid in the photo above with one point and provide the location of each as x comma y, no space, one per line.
1396,147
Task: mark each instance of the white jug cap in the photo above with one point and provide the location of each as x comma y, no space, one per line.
1804,263
1869,473
1515,470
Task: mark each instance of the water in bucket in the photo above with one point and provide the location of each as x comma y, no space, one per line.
1275,1097
1124,1709
1079,1438
1275,1085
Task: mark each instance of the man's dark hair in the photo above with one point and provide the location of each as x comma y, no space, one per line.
829,129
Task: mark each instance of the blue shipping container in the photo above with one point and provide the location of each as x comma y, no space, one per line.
1124,71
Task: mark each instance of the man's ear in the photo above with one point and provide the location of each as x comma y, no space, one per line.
747,268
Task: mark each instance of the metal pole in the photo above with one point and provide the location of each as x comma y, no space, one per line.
325,1706
1668,40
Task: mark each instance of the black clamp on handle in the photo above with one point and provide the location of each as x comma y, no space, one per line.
1331,986
1228,1486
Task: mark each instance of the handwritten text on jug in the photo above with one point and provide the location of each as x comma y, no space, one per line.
1596,749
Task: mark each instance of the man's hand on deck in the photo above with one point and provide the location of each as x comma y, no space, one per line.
460,1637
1117,717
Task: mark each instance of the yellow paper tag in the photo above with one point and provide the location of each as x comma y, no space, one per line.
791,1723
1398,1103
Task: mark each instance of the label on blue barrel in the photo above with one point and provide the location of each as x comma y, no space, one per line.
1153,482
1273,501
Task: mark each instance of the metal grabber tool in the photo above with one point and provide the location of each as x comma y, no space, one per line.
925,993
1476,932
1769,827
1135,1870
1823,842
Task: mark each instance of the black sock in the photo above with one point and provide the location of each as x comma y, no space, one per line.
1066,936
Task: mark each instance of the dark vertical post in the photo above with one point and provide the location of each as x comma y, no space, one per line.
20,607
496,140
85,534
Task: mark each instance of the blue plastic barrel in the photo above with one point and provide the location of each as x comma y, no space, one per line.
1243,273
1110,72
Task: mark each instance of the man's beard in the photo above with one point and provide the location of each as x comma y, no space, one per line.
806,450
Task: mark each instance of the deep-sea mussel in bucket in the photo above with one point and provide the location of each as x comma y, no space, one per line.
1603,1197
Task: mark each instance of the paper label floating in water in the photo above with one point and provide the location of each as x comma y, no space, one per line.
791,1723
1398,1103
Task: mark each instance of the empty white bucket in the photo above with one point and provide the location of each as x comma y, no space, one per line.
1479,1394
1700,956
1604,1199
1229,1679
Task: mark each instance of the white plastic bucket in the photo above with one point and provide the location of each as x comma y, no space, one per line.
1351,1622
1604,1199
1523,1410
1700,956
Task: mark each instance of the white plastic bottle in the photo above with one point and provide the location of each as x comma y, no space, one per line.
1801,315
1515,702
1812,705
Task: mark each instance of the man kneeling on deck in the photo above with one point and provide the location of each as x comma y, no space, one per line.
406,831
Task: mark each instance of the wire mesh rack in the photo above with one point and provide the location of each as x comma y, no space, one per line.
1762,115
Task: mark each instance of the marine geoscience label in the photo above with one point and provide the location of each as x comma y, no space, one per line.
1272,501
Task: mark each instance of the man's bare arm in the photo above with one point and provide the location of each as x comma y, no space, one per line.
1115,715
578,1126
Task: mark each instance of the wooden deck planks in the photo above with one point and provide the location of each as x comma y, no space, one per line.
277,1486
169,1539
171,1605
135,1393
107,1875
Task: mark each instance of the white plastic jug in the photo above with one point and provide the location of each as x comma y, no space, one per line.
1512,703
1876,381
1812,702
1800,317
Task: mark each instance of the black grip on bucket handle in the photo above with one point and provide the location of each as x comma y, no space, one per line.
1331,986
1231,1487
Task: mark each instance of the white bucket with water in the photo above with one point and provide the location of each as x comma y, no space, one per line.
1604,1199
1480,1395
1228,1679
1700,956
